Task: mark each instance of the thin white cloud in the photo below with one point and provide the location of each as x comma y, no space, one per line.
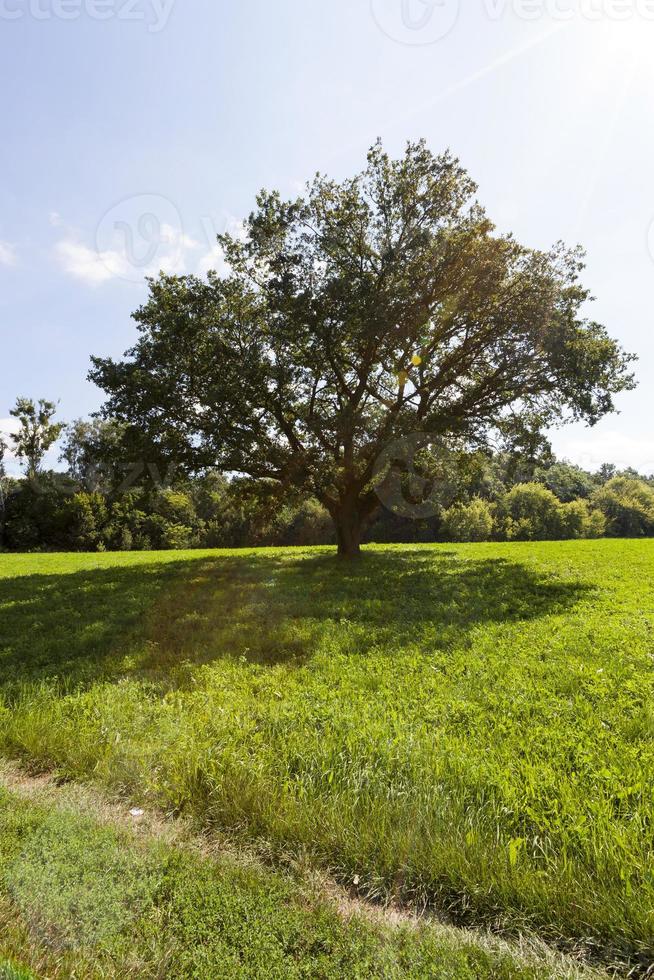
86,264
170,235
96,266
595,448
174,252
7,254
213,259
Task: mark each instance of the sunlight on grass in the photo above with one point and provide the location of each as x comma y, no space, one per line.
83,899
468,726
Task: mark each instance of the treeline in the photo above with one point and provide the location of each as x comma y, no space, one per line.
508,499
98,503
52,512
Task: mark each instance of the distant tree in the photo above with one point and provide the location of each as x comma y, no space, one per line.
354,316
499,471
309,523
92,450
35,513
606,472
631,474
37,432
628,506
568,482
468,522
86,520
530,512
3,474
175,506
580,520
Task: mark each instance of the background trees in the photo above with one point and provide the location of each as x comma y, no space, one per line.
372,336
37,432
628,504
352,318
91,450
566,481
94,506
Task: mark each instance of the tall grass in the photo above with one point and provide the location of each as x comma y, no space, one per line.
469,727
82,895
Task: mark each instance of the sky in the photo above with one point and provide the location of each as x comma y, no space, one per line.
133,131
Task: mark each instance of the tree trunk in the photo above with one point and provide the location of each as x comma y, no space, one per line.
351,516
349,529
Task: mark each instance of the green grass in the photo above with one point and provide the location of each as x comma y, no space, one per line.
469,727
82,898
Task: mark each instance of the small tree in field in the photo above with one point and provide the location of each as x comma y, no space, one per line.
37,432
361,314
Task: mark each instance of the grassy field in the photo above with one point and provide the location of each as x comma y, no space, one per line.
88,892
468,727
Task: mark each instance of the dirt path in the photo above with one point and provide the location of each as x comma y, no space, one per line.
149,824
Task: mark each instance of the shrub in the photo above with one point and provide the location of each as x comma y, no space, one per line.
178,536
35,515
531,512
578,520
596,524
468,522
120,538
86,517
174,506
628,507
125,525
388,527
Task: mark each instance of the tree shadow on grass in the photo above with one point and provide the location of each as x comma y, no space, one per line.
269,608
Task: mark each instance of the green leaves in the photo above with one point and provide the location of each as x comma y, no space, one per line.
288,368
37,432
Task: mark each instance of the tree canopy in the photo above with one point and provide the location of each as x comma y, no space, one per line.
36,434
354,317
90,449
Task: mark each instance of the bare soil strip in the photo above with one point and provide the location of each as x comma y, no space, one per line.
46,789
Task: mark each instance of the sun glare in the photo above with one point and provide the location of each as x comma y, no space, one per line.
626,42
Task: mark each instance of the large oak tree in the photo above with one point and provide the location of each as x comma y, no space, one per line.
360,314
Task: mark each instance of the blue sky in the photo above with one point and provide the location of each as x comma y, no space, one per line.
134,130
